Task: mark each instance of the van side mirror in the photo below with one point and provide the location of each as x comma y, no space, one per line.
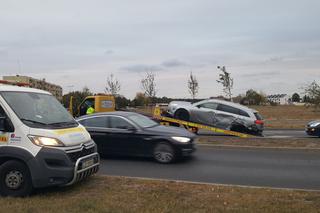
6,125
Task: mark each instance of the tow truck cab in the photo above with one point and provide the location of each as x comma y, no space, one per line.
41,144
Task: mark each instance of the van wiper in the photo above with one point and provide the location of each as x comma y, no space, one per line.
33,121
63,123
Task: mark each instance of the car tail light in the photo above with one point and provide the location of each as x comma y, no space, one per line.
259,122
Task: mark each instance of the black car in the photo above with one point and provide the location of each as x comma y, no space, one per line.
313,128
129,133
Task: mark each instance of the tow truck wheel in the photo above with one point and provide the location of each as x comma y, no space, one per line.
15,179
164,153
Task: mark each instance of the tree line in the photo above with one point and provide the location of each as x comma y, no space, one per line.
148,95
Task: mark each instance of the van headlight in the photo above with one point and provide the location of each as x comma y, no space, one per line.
45,141
181,139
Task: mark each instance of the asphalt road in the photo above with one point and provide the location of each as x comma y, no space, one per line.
285,133
254,167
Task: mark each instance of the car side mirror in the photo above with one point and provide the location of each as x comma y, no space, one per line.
6,125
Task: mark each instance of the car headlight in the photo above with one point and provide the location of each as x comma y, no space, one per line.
45,141
315,124
181,139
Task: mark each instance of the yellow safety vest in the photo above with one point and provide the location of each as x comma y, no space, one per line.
90,110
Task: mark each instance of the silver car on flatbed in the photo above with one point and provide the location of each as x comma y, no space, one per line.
220,114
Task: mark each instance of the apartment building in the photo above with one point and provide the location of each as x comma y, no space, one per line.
281,99
56,90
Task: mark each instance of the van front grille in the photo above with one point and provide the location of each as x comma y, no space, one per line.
74,156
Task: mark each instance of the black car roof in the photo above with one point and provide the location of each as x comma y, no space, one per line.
119,113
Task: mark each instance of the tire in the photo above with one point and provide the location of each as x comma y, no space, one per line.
239,128
164,153
15,179
182,115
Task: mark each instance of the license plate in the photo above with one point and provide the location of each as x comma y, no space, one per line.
87,163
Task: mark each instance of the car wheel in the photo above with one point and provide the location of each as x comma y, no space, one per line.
164,153
182,115
238,128
15,179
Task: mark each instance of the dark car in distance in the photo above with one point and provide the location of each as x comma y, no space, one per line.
313,128
132,134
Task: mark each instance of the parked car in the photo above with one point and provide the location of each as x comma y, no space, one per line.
129,133
313,128
220,114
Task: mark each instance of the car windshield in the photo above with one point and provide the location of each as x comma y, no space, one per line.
39,110
142,121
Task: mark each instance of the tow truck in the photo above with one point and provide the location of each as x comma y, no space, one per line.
100,102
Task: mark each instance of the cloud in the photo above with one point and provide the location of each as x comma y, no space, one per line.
260,74
142,68
275,59
173,63
109,52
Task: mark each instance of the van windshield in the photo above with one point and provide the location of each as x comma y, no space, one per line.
39,110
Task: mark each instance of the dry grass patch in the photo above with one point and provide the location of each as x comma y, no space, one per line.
287,117
117,194
308,143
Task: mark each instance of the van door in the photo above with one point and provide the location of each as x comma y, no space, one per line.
4,127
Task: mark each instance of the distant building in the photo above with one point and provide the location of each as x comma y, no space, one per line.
36,83
281,99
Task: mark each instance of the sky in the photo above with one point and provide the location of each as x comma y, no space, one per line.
270,46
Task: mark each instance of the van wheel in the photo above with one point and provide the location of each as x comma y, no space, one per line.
164,153
15,179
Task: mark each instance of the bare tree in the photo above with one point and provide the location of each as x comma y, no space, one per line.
193,86
226,81
313,92
113,85
148,85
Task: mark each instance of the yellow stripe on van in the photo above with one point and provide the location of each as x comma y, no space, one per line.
67,131
3,138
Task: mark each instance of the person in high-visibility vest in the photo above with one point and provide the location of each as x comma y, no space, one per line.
90,110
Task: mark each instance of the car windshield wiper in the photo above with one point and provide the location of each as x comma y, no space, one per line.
63,123
33,121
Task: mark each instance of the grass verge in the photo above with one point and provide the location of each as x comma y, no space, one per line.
119,194
307,143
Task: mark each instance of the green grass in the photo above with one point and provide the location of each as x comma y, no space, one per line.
118,194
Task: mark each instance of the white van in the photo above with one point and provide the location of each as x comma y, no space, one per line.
41,144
